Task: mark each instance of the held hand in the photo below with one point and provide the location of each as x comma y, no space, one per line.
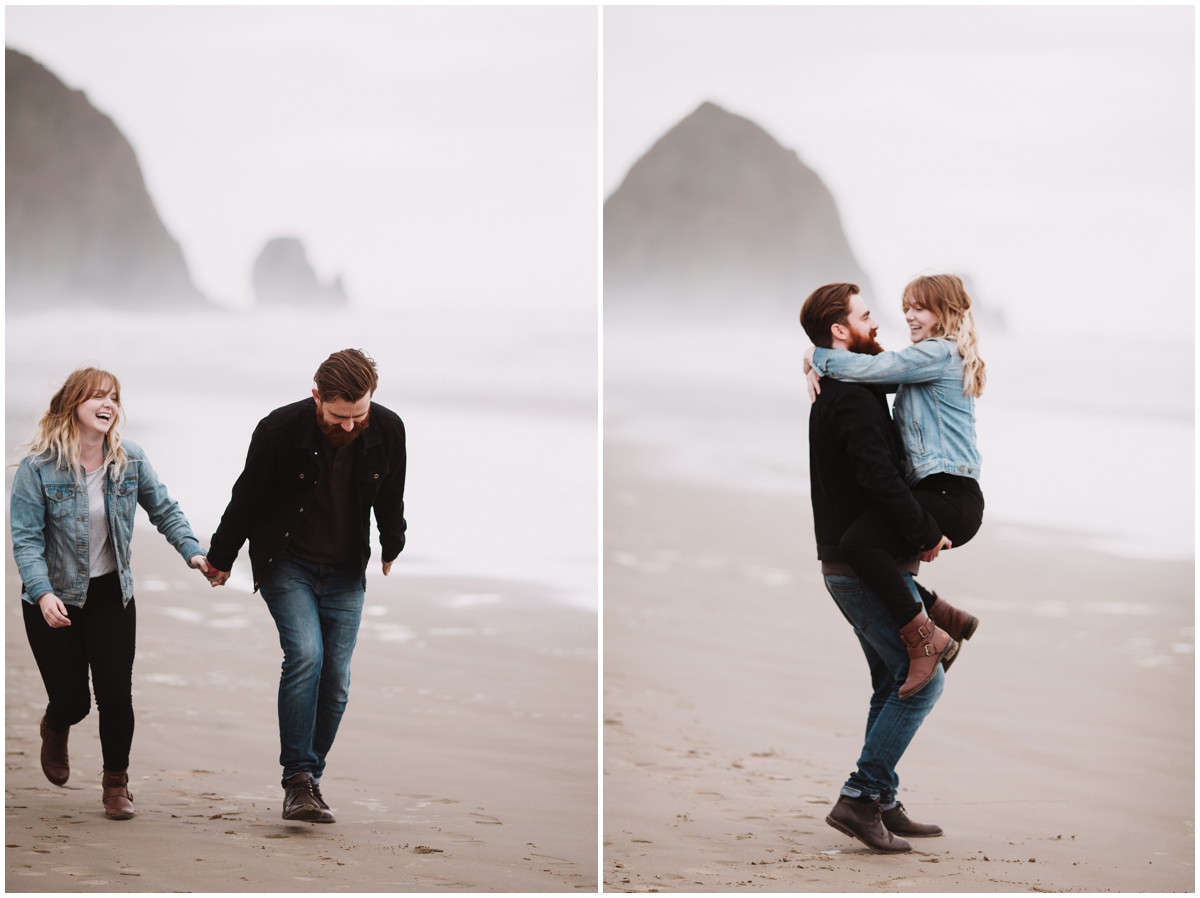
387,566
215,577
933,553
201,564
812,380
54,611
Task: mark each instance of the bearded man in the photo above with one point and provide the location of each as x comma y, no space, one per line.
854,464
314,471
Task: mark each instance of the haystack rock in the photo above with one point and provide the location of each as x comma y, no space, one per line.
80,225
717,214
282,276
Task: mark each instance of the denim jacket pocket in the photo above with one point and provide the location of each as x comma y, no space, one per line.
60,500
124,497
847,592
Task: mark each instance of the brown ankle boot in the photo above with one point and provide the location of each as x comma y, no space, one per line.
118,800
863,821
958,624
927,645
55,763
895,820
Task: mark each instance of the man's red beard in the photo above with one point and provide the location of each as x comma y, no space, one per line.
338,437
864,344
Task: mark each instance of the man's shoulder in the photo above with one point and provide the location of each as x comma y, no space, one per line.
838,393
386,419
288,414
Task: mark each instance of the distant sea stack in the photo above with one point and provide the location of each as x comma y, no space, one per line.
282,276
80,227
717,214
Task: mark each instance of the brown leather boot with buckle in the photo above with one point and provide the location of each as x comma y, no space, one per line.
896,820
861,820
958,624
301,801
118,800
927,645
55,763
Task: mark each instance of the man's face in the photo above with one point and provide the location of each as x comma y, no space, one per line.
341,421
858,333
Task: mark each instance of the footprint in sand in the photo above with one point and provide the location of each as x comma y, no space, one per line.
487,820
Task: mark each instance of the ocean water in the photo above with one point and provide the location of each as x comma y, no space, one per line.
499,407
1089,445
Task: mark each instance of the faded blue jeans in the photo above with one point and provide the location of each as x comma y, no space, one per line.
317,610
892,721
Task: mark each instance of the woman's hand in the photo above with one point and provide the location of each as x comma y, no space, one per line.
933,553
201,563
812,380
54,611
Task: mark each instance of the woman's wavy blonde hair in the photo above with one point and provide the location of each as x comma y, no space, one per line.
947,298
58,431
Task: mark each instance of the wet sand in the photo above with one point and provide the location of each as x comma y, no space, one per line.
466,760
1059,758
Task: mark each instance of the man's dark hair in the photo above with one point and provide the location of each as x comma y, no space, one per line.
349,374
825,307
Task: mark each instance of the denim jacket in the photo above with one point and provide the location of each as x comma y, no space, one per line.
49,518
936,421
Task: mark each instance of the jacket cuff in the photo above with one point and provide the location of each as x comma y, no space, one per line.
818,359
38,588
219,561
189,548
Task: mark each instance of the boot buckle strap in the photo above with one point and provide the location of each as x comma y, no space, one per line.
921,632
928,649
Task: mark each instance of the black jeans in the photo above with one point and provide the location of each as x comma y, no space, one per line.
102,636
871,545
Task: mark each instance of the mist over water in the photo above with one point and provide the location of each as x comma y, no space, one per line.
499,409
1076,450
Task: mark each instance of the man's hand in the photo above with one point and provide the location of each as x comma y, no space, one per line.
387,566
215,577
54,611
933,553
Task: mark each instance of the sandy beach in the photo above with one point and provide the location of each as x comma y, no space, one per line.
466,760
1060,757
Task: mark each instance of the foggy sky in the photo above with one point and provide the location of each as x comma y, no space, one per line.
1047,152
432,155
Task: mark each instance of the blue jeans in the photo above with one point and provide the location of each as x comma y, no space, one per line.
892,722
317,610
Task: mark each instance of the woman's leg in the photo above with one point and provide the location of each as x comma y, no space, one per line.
111,636
62,661
871,546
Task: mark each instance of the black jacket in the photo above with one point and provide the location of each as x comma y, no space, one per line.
854,461
283,466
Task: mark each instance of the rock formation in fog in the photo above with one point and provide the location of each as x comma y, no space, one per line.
718,214
282,276
80,226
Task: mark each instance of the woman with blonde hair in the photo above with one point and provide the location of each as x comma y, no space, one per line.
939,377
73,502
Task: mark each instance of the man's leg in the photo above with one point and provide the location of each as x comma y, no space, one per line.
891,722
340,598
289,590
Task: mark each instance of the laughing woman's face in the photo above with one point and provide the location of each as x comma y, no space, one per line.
99,411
